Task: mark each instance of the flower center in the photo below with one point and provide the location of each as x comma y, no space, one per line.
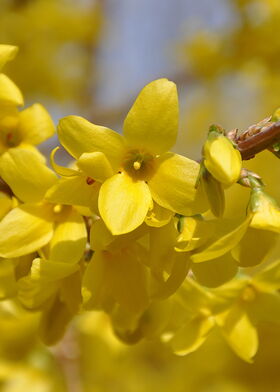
9,133
139,164
249,294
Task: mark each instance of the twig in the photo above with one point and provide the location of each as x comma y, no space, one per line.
259,142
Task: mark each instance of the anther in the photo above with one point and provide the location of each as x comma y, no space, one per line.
90,180
57,208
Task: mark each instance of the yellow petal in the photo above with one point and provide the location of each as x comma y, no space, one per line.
239,332
116,276
95,165
100,236
123,203
7,53
215,272
34,150
190,337
23,230
161,248
61,170
152,122
69,240
42,282
9,92
215,193
52,328
173,184
156,318
180,268
265,308
266,213
194,232
225,239
70,291
6,204
254,247
26,175
269,278
8,287
74,191
35,124
193,297
102,239
78,135
158,216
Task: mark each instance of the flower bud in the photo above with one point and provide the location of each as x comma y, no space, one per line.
266,213
221,159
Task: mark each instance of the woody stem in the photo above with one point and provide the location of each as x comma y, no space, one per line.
259,142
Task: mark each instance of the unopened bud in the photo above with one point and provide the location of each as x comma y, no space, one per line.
221,159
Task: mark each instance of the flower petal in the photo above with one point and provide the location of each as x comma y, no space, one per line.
25,173
78,135
8,287
61,170
69,240
74,191
7,53
52,328
214,273
190,337
158,216
6,204
23,230
225,239
42,282
95,165
9,93
173,184
116,276
152,122
269,278
35,124
254,247
123,203
239,332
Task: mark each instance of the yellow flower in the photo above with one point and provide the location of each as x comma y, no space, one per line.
9,92
221,159
35,223
236,308
116,277
142,168
24,129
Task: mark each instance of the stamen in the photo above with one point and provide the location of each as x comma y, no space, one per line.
137,165
90,181
57,208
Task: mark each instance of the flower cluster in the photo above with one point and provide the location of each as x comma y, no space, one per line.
131,229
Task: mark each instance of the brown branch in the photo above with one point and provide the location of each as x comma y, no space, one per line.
259,142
